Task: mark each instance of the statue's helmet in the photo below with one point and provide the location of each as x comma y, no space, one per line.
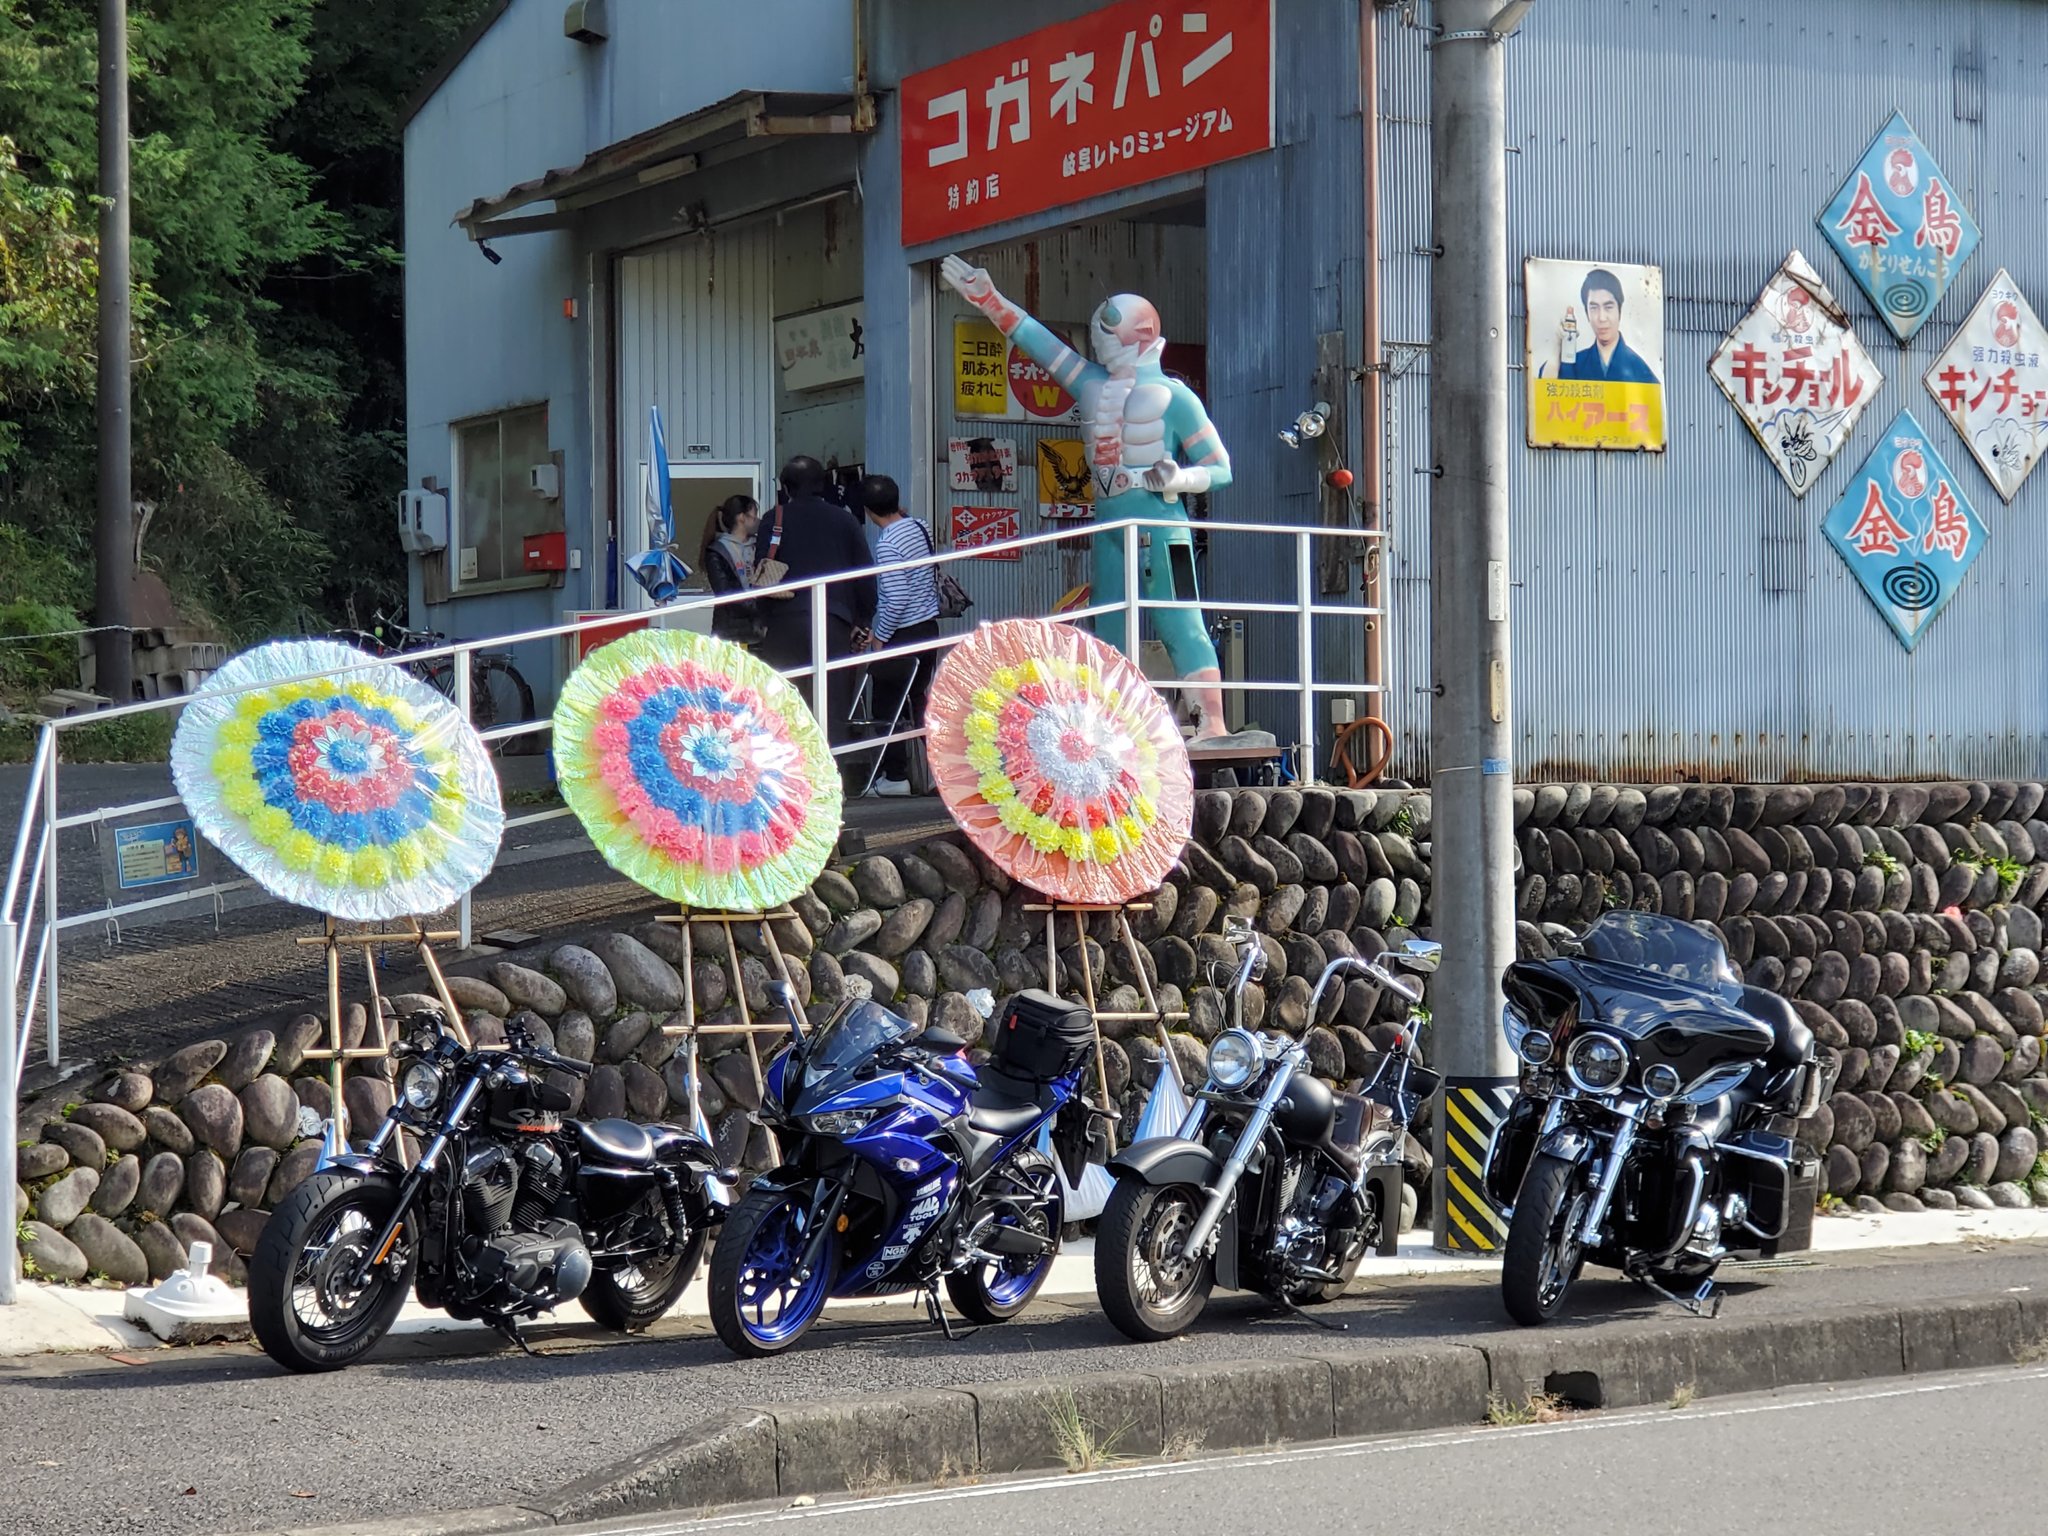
1125,331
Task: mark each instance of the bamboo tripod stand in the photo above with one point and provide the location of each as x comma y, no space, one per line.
336,1053
1153,1013
692,1027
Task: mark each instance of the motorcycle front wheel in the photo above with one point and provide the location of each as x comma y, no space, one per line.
1147,1285
758,1305
307,1307
1544,1249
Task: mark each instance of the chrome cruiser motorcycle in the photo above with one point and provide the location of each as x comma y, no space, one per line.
510,1211
1653,1134
1273,1183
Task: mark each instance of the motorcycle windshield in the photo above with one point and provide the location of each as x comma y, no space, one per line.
1643,941
852,1038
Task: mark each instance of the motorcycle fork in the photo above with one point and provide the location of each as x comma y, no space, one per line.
1610,1176
820,1227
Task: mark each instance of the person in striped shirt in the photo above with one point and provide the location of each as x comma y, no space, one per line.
906,611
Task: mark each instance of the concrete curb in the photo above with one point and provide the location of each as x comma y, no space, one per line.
779,1451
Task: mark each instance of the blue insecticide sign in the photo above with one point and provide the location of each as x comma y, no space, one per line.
1906,529
1899,227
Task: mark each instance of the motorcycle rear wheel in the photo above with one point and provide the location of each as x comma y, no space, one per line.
301,1309
990,1293
631,1298
1544,1253
1147,1288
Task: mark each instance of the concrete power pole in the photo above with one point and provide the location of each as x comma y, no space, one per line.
1470,720
114,538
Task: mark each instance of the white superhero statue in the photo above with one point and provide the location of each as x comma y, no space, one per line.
1140,424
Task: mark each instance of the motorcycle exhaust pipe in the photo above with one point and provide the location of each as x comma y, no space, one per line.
1015,1243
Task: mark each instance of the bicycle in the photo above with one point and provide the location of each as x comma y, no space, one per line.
498,694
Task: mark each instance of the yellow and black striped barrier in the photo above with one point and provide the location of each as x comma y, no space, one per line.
1465,1220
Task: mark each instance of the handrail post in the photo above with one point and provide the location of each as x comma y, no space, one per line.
820,679
464,915
10,1260
1305,653
1134,614
52,910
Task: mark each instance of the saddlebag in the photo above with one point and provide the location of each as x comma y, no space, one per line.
1041,1038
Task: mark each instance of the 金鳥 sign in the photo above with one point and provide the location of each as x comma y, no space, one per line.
974,527
1906,530
1899,226
1990,382
1066,490
1795,372
1116,98
1595,354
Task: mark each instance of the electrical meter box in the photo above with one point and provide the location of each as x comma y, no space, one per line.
422,521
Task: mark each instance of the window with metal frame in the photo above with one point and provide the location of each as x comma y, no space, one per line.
495,506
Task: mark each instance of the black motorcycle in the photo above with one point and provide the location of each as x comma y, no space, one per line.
1274,1183
1653,1131
509,1211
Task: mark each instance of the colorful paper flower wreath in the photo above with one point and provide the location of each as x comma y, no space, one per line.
697,771
362,794
1060,761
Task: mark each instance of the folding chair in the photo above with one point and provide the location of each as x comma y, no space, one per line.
862,715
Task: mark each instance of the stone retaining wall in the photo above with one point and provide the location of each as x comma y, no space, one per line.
1902,921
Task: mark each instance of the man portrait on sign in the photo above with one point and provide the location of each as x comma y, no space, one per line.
985,464
1610,359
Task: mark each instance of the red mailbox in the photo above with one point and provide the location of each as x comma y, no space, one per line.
547,552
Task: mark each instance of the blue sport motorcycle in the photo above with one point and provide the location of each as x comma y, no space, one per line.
904,1166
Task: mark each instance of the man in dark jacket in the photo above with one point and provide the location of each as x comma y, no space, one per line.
814,536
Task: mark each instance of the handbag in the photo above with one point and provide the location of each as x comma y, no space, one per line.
770,571
953,598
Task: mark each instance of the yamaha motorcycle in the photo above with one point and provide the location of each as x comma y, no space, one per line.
904,1167
1273,1183
1654,1129
509,1211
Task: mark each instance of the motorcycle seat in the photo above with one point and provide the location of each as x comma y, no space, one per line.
1791,1041
618,1142
995,1112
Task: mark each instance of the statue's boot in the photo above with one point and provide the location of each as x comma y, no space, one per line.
1210,729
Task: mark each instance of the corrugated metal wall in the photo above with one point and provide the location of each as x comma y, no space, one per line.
1680,614
696,337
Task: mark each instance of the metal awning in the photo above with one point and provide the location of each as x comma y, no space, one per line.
740,125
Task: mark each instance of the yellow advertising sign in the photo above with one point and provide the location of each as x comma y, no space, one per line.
1595,354
1583,413
981,379
1066,490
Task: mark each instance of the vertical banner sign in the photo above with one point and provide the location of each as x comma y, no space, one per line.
1989,381
1122,96
1595,355
1898,225
1906,530
1796,374
1066,491
975,526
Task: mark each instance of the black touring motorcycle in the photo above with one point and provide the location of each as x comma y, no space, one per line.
509,1211
1653,1134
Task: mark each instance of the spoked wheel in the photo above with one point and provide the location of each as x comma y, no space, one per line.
758,1304
318,1297
630,1297
1148,1284
1024,1196
1544,1249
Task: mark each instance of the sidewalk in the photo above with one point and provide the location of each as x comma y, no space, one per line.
64,1319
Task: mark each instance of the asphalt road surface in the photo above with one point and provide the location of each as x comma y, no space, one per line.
1881,1459
218,1440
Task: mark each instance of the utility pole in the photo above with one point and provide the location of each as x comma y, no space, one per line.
1471,777
114,538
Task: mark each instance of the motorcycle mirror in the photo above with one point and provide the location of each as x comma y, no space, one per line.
1420,955
785,995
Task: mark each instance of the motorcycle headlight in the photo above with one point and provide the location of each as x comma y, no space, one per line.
420,1088
1661,1081
1233,1059
1535,1047
1597,1063
840,1122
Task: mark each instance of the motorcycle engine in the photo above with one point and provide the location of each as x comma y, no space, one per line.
521,1257
1320,1229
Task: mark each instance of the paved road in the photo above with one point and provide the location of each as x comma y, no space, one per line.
1888,1458
99,1448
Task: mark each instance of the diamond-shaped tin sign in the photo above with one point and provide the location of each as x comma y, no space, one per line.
1899,227
1991,383
1795,372
1906,530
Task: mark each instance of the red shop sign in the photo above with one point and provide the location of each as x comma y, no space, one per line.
1126,95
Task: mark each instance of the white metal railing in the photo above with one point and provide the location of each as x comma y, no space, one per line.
32,922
